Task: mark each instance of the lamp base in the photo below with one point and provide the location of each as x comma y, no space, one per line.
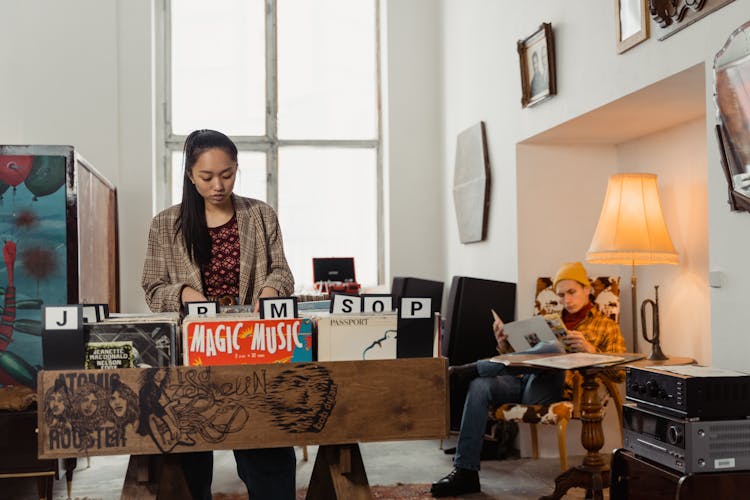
656,353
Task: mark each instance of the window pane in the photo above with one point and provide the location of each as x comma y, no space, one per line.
326,65
328,208
218,66
251,176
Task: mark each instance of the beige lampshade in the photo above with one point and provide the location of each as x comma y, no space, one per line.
631,228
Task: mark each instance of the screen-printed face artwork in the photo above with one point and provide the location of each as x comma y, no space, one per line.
56,404
302,401
118,404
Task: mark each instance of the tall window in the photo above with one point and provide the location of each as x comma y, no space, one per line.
295,83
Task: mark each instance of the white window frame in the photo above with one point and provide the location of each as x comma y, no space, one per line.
168,142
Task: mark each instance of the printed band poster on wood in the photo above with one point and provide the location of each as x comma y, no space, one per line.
182,409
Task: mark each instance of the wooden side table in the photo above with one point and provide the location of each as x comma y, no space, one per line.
637,478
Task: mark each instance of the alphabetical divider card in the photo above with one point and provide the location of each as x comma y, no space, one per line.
278,308
239,340
93,313
62,337
196,408
102,311
202,308
416,328
342,303
377,303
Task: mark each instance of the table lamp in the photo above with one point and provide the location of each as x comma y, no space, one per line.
631,231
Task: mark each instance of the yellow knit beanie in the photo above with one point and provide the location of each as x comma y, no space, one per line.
571,271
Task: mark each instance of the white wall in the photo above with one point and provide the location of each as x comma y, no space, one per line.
59,78
481,82
137,133
678,157
479,73
557,217
413,152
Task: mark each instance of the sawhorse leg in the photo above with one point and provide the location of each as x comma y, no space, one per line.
339,473
154,477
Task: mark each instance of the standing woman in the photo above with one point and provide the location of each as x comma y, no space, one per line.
216,245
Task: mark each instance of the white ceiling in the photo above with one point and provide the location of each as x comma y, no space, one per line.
662,105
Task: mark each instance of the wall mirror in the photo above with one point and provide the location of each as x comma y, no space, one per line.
732,100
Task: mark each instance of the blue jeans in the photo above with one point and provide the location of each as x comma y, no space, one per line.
496,385
268,473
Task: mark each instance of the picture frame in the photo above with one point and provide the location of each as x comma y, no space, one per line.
675,15
471,184
731,77
536,54
631,23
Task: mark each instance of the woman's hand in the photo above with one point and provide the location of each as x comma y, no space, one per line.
192,295
576,342
266,292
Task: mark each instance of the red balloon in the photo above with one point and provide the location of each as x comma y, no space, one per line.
15,169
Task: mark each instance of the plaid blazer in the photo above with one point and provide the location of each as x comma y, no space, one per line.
168,267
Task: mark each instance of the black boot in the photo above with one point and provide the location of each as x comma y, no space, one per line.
458,482
463,373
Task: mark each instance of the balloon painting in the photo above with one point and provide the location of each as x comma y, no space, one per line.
15,169
32,271
46,176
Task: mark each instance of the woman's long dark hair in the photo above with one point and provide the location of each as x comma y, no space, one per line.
192,218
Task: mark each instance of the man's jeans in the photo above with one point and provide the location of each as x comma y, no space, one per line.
496,385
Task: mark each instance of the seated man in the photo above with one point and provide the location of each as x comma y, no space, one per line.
496,384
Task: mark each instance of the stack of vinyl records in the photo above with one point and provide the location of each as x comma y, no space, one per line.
128,341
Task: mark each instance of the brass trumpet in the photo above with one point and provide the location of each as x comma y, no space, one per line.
656,352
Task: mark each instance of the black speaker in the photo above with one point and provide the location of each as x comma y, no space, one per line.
417,287
416,336
467,335
468,318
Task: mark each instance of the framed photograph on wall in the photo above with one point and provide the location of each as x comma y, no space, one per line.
731,84
631,23
536,54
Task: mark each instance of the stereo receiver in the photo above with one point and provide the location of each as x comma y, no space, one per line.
687,446
689,391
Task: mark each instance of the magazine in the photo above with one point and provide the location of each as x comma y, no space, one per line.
557,325
525,334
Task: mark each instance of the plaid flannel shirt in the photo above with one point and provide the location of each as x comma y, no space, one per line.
168,267
604,334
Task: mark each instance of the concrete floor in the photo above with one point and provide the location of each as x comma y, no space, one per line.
385,463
